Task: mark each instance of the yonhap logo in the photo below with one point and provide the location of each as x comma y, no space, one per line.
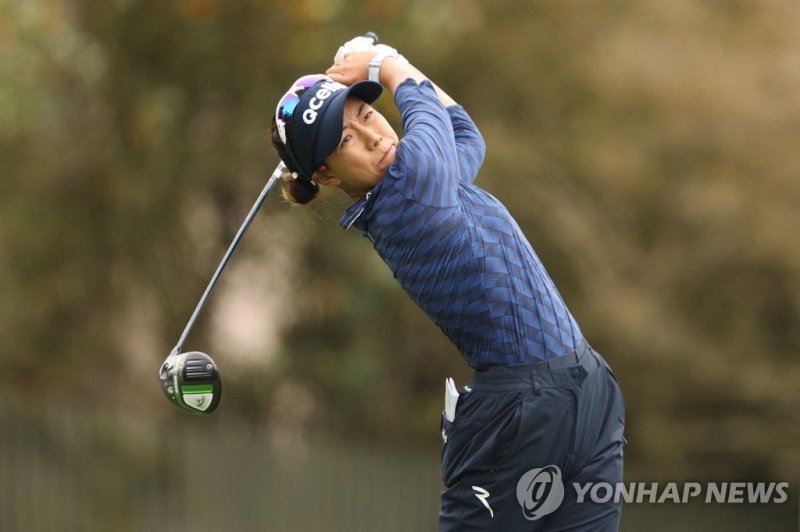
540,492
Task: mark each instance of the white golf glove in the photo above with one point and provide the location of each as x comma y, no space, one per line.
385,49
357,44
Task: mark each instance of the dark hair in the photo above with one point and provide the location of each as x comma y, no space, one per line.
301,189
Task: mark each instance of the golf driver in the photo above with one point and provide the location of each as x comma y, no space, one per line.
191,381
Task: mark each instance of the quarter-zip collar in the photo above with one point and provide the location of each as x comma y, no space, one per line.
354,215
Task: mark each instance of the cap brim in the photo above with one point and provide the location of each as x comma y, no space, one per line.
330,131
369,91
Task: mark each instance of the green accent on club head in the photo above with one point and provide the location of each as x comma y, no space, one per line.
197,388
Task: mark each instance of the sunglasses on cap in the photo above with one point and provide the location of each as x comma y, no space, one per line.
317,134
284,113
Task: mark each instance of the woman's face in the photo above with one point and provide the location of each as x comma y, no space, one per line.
365,151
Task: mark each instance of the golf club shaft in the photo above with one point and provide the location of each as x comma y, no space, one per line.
256,206
200,304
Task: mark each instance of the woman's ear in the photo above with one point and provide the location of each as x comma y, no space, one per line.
323,176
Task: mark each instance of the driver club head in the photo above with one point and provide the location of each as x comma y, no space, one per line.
191,382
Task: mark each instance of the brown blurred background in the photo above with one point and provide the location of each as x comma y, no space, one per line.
649,150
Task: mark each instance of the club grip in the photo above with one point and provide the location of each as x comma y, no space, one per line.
371,35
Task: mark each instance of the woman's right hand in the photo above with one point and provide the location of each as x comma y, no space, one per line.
352,69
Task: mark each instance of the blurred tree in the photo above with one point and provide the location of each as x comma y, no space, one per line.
648,150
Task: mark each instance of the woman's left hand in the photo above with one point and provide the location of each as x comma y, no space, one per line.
352,69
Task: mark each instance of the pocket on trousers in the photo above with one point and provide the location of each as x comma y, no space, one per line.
508,434
457,449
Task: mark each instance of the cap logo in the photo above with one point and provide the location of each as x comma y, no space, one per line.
327,88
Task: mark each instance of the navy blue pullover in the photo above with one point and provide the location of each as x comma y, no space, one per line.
455,248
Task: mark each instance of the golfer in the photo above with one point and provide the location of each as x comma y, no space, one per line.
543,410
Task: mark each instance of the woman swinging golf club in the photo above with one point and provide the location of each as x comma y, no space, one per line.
543,410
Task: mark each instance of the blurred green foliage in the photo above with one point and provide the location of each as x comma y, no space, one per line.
649,151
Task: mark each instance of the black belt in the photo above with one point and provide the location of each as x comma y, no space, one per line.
567,370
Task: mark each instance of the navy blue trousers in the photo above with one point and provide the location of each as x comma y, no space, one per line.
523,436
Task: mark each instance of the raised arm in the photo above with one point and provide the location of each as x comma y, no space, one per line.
469,143
355,67
427,166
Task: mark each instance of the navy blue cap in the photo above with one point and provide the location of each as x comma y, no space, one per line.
317,125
